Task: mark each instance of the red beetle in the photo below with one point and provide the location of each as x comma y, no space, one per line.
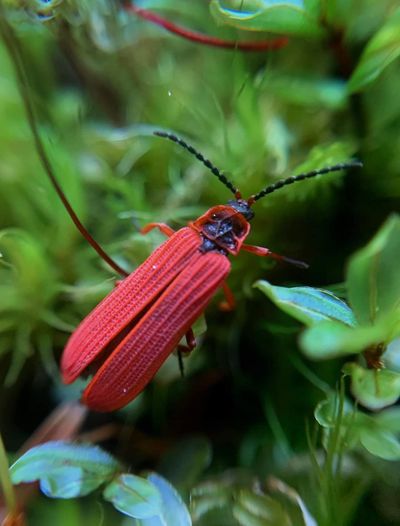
129,335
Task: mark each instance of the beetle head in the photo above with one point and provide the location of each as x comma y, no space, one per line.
243,207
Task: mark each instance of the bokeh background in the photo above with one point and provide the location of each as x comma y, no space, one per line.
102,79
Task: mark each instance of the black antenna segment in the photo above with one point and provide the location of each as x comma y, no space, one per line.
200,157
294,178
16,56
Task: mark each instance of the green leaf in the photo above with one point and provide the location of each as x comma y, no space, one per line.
391,356
330,339
287,17
381,443
307,91
373,388
326,411
174,511
308,305
380,434
313,8
209,496
389,419
382,50
294,497
333,412
374,279
255,509
377,433
134,496
65,470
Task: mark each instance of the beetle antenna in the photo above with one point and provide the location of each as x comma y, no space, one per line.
15,54
201,158
308,175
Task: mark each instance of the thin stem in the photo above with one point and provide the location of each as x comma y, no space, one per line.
201,38
5,480
16,56
333,461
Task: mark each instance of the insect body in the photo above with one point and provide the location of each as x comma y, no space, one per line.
128,336
137,326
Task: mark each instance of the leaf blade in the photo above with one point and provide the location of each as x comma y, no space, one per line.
308,305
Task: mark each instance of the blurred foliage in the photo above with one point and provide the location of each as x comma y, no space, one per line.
369,325
66,471
237,436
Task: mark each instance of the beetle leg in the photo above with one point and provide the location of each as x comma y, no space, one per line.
266,252
162,227
190,343
229,303
186,349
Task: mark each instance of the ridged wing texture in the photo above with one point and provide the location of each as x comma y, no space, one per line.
138,357
127,301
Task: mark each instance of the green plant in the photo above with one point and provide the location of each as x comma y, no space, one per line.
102,79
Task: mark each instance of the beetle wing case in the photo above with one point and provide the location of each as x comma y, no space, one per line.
134,362
136,327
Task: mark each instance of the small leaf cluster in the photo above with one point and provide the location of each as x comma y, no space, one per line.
65,471
366,325
238,498
379,433
314,19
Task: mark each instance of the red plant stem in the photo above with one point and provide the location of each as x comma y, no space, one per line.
201,38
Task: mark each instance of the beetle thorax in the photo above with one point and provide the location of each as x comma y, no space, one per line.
223,229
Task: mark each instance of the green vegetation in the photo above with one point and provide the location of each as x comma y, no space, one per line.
286,414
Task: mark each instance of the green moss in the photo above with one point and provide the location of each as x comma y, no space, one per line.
101,80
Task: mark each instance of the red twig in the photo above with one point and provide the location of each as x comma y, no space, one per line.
195,36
